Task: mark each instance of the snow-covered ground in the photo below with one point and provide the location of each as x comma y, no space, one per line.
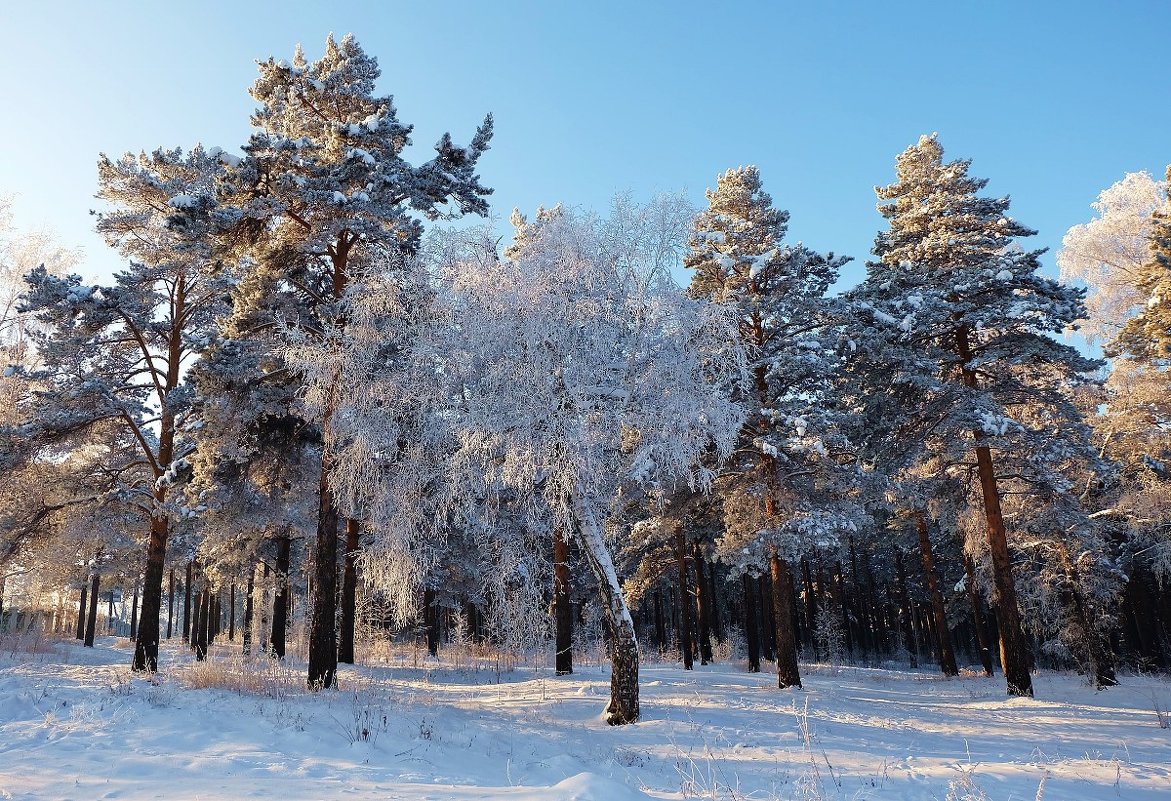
74,724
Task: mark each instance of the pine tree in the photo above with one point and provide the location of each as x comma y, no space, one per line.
324,189
114,355
959,325
783,478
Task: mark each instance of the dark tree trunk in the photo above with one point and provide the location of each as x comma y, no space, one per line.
717,626
810,608
170,602
788,674
660,622
345,649
978,616
232,613
81,610
146,647
751,623
264,622
431,621
1014,649
91,624
704,607
768,625
1097,648
947,659
280,603
249,606
199,624
562,609
134,613
838,593
190,576
323,601
686,603
906,614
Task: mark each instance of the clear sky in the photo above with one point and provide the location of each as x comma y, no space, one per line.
1053,101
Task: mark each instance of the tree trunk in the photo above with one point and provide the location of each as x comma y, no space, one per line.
703,603
623,706
170,602
751,623
146,647
280,602
947,659
788,674
978,616
199,625
248,609
1014,648
345,649
134,612
810,608
686,603
906,614
264,622
81,610
562,610
431,622
232,613
768,622
91,624
190,575
323,603
660,623
1097,648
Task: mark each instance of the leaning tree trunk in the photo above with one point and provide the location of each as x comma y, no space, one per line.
345,648
91,624
1014,648
686,602
788,674
623,705
947,659
562,608
280,602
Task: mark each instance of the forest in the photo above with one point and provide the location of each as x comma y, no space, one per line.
326,409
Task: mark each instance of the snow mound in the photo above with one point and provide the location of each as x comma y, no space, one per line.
591,787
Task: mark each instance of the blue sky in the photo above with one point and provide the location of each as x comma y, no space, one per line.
1053,101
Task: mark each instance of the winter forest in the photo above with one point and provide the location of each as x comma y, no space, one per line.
331,443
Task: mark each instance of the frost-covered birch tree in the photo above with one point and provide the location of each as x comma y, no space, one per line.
584,377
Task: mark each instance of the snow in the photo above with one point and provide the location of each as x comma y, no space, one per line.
76,725
182,202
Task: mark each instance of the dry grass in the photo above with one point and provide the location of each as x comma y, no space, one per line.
270,678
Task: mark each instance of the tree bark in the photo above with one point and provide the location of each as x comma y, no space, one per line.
81,610
947,659
751,623
280,602
703,603
562,609
345,650
686,602
323,603
199,625
232,613
788,674
431,622
1014,648
92,619
623,706
248,610
170,602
